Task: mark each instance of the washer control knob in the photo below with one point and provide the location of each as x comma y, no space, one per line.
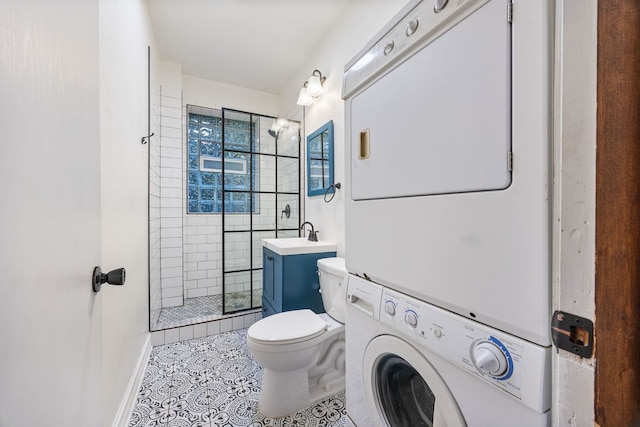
388,48
411,318
412,26
489,359
390,308
437,332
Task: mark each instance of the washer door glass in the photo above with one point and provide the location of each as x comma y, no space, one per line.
405,397
404,388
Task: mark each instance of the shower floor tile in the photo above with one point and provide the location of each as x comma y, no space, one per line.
204,309
214,381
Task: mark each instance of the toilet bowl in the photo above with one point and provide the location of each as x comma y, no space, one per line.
302,353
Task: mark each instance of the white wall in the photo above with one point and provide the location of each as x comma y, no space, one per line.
359,22
207,93
125,33
50,319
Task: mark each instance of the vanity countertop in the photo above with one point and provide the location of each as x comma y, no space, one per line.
298,245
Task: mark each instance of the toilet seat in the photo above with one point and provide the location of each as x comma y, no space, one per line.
288,327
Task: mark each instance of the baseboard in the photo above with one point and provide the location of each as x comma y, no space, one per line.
131,394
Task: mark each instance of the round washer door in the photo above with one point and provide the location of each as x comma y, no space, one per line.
404,388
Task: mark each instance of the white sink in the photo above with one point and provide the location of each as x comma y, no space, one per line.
298,245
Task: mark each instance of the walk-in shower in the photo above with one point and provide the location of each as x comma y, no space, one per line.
224,182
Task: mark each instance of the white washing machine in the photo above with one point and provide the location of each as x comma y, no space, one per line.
412,364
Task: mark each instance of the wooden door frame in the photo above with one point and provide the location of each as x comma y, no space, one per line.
617,279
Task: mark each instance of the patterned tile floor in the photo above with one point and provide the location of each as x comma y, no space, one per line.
204,309
214,381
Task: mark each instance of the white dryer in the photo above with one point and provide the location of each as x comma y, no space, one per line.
410,363
448,113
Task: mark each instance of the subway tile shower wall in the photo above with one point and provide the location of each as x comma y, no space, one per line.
171,197
155,291
202,244
202,255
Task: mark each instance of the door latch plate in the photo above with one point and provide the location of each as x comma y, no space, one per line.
572,333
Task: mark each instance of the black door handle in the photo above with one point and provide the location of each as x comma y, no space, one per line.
114,277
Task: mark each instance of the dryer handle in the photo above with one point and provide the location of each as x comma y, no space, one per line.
364,145
361,304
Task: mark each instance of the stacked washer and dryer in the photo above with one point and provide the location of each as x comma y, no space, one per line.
448,116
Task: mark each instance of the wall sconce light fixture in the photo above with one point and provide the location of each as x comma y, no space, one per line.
304,98
311,89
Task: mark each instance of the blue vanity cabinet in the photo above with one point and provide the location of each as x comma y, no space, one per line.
290,282
271,282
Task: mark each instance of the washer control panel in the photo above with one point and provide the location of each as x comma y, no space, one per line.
516,366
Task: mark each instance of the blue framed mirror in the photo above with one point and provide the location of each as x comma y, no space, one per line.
320,160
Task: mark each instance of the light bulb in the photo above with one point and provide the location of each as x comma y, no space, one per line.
304,98
314,86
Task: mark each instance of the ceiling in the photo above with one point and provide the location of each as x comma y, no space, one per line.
256,44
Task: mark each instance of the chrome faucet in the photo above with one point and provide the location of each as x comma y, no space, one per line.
313,235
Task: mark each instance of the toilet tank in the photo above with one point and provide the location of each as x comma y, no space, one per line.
333,285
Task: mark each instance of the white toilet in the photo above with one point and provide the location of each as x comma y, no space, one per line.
302,353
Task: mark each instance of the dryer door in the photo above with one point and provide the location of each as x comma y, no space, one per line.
440,122
404,388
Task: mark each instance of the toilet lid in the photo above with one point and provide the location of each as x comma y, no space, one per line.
333,265
288,326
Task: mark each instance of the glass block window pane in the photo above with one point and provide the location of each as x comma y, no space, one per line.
205,130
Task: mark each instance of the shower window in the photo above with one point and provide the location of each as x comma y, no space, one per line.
214,164
205,136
